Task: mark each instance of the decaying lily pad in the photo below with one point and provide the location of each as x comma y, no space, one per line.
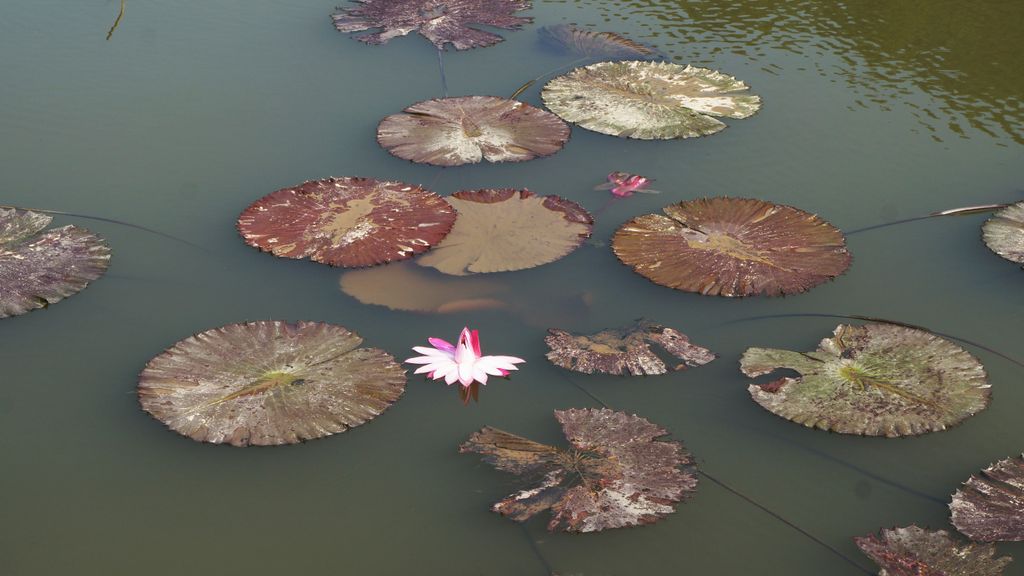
499,230
875,380
269,382
39,268
440,21
624,351
914,551
1004,233
616,473
406,286
468,129
581,42
990,506
347,222
733,247
648,100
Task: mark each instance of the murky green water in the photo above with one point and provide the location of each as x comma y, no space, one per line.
873,111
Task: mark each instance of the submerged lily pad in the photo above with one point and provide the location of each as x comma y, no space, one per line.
406,286
499,230
581,42
269,382
990,506
440,21
347,222
648,100
616,473
914,551
468,129
733,247
39,268
624,351
1004,233
875,380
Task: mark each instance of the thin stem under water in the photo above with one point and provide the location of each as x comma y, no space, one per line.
524,87
117,21
951,212
112,221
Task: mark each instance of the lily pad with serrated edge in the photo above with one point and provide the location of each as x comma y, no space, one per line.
591,43
468,129
40,267
1004,233
348,222
648,100
626,351
733,247
500,230
616,473
875,380
914,551
990,506
442,22
269,382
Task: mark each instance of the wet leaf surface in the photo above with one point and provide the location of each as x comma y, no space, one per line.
875,380
990,505
1004,233
625,351
269,382
39,267
582,42
616,473
914,551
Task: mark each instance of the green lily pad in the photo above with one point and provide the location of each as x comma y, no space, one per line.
1004,233
914,551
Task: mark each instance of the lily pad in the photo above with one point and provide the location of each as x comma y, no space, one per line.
990,506
648,100
875,380
1004,233
914,551
733,247
616,474
468,129
406,286
500,230
440,21
625,351
582,42
347,222
39,268
269,382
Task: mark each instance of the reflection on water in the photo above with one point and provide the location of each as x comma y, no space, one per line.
886,51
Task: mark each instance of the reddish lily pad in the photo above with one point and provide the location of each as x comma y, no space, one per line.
582,42
624,351
733,247
468,129
269,382
440,21
990,506
875,380
1004,233
39,268
348,222
616,473
914,551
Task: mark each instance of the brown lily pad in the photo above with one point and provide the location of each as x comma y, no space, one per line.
40,267
625,351
468,129
500,230
1004,232
269,382
990,506
914,551
406,286
875,380
582,42
348,222
615,474
733,247
442,22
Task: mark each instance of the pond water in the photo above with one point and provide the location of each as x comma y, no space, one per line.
873,112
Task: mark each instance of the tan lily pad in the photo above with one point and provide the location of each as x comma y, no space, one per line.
648,100
627,351
914,551
406,286
269,382
875,380
1004,233
990,506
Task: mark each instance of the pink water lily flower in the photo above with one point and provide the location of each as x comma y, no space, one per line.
624,184
462,362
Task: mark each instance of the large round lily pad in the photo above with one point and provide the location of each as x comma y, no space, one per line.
506,229
1004,232
648,100
733,247
269,382
625,351
914,551
875,380
347,222
468,129
615,474
39,268
990,506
